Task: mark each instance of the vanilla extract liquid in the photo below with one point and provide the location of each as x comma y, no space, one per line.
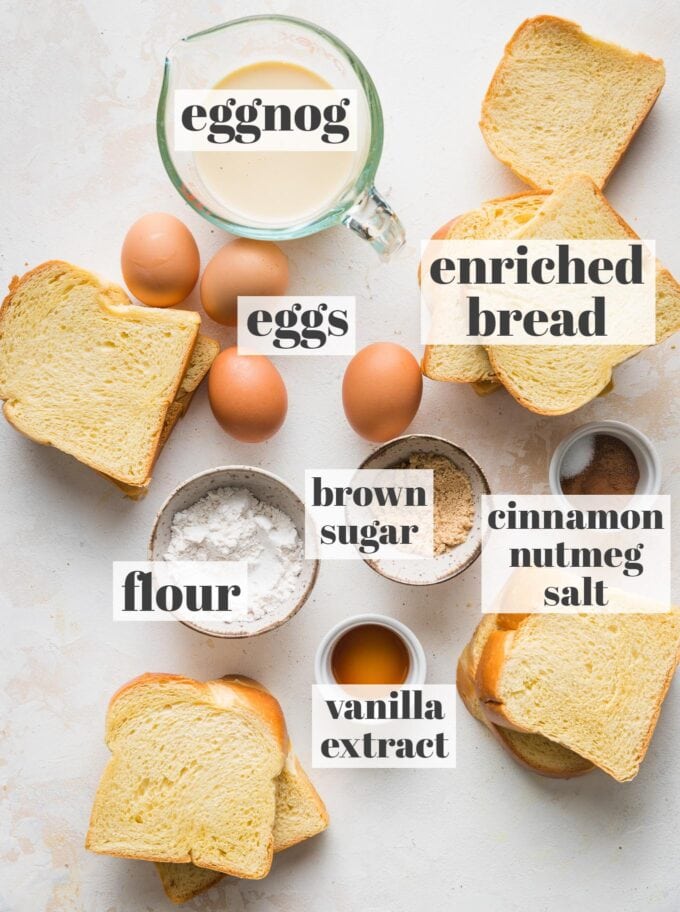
370,654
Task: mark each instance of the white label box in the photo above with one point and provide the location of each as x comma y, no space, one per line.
289,325
270,120
538,292
359,514
379,726
201,592
594,554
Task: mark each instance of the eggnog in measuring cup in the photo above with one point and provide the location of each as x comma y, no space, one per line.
271,128
278,187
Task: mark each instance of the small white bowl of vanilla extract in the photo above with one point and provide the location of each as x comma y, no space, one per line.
370,649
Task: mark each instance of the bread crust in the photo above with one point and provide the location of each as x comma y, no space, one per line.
488,676
256,697
496,79
108,292
654,719
220,692
465,682
491,665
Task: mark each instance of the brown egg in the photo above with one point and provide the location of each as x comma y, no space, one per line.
160,260
381,391
242,267
247,395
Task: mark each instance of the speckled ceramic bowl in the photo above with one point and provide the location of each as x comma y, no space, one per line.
269,489
428,571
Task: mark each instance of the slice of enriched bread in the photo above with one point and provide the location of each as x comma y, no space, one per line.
495,219
555,380
192,776
300,814
82,371
592,682
204,353
183,882
533,751
486,387
561,101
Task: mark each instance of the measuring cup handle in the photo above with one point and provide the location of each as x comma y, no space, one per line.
373,219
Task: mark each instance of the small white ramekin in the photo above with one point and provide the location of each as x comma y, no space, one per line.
643,449
418,663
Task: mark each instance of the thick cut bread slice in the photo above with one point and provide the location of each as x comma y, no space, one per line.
594,683
192,776
561,101
533,751
86,373
555,380
300,814
486,387
495,219
204,353
183,882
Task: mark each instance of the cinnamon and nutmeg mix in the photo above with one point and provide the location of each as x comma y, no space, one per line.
612,469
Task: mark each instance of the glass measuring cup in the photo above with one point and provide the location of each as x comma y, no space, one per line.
200,60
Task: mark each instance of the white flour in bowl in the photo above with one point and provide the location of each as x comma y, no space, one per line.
232,524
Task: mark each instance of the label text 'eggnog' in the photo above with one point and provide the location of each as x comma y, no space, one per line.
268,120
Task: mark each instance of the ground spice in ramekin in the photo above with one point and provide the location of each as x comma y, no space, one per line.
612,469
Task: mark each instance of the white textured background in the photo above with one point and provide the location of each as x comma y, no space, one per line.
80,82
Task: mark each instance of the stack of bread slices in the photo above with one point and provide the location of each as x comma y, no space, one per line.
202,781
84,370
561,110
565,694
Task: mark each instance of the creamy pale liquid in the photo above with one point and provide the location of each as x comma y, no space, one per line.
276,188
